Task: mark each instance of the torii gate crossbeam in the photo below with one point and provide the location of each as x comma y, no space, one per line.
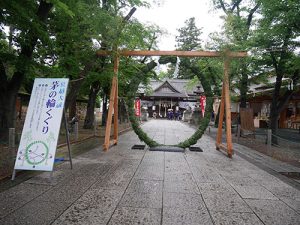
225,100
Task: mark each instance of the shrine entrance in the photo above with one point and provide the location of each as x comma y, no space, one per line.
224,106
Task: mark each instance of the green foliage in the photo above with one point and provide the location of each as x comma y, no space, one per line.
188,40
206,84
189,36
136,125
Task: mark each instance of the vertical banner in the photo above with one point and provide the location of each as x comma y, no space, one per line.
202,104
42,125
137,107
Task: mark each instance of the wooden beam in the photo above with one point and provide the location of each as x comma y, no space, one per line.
224,149
109,115
116,101
174,53
227,106
221,118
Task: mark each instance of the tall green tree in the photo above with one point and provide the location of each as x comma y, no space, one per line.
121,31
26,21
276,44
239,23
188,39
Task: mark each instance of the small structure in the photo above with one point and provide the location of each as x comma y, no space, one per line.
161,96
247,123
260,102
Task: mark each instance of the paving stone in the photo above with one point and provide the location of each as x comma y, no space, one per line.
136,216
229,218
19,195
174,177
274,212
65,193
149,173
142,200
145,186
47,179
207,177
117,179
284,191
172,216
180,187
191,202
91,170
154,157
160,188
240,180
34,213
222,198
215,187
293,203
255,192
268,181
112,182
94,207
173,168
128,165
130,154
180,183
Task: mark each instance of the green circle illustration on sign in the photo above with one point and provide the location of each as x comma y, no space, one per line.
36,152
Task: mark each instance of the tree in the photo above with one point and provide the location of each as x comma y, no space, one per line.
27,23
188,40
133,35
276,40
238,24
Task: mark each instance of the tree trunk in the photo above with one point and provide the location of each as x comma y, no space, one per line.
89,117
7,114
243,89
72,110
9,88
74,85
104,110
274,125
122,111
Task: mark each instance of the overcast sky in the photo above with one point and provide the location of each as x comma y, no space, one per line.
171,14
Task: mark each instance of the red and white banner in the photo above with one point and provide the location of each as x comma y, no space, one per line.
137,107
202,104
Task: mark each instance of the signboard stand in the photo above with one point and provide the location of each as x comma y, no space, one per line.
42,124
69,148
68,139
68,144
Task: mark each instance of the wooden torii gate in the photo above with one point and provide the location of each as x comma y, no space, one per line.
225,99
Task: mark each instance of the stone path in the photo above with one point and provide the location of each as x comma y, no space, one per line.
124,186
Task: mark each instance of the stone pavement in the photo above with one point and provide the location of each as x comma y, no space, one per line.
124,186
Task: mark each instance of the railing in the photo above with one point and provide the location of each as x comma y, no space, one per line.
282,142
266,137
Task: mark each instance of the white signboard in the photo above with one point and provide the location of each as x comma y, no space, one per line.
42,124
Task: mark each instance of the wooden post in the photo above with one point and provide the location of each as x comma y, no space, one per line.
227,105
116,108
109,115
112,105
221,116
